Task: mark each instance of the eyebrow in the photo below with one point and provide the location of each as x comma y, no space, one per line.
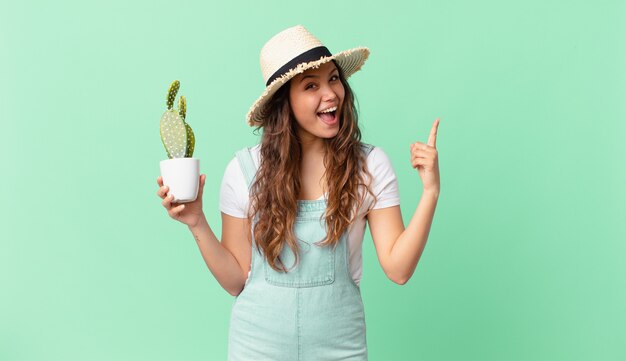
316,76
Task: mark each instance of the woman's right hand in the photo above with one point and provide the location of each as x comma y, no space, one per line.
188,213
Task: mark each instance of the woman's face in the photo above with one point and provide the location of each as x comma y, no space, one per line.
316,98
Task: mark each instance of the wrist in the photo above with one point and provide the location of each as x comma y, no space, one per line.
434,192
200,222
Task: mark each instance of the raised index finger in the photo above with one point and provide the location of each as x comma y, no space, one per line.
160,181
432,138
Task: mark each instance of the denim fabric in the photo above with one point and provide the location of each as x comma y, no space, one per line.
312,312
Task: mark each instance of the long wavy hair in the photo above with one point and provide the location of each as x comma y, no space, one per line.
274,193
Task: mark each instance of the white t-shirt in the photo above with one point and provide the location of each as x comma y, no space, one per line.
234,199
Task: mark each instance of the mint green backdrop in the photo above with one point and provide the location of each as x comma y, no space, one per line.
525,259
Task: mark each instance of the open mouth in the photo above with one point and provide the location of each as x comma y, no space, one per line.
328,116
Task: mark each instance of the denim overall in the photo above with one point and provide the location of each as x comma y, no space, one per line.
312,312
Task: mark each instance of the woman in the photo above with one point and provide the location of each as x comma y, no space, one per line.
294,209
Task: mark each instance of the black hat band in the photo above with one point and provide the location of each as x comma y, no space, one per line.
308,56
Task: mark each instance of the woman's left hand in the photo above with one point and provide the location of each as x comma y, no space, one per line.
424,157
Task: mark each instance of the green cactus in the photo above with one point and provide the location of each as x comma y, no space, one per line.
182,106
191,141
171,94
173,134
176,135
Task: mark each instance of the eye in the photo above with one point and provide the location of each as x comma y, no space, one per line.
309,86
334,77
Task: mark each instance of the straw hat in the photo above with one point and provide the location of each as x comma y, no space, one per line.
291,52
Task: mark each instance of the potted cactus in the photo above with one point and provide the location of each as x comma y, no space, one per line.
180,172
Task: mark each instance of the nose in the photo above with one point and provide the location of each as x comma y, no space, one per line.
329,95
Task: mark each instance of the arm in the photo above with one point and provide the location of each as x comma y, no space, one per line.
400,249
228,261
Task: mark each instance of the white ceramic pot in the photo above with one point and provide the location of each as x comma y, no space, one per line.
182,176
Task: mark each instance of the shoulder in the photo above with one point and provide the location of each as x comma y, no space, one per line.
384,181
254,151
233,175
234,190
233,169
377,159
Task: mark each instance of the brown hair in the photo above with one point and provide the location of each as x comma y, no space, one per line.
275,191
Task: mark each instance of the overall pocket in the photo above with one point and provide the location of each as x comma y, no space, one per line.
316,266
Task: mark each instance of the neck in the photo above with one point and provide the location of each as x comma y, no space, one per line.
312,146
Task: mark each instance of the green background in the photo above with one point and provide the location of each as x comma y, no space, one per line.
525,259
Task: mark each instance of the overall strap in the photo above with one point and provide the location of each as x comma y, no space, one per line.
247,165
367,148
